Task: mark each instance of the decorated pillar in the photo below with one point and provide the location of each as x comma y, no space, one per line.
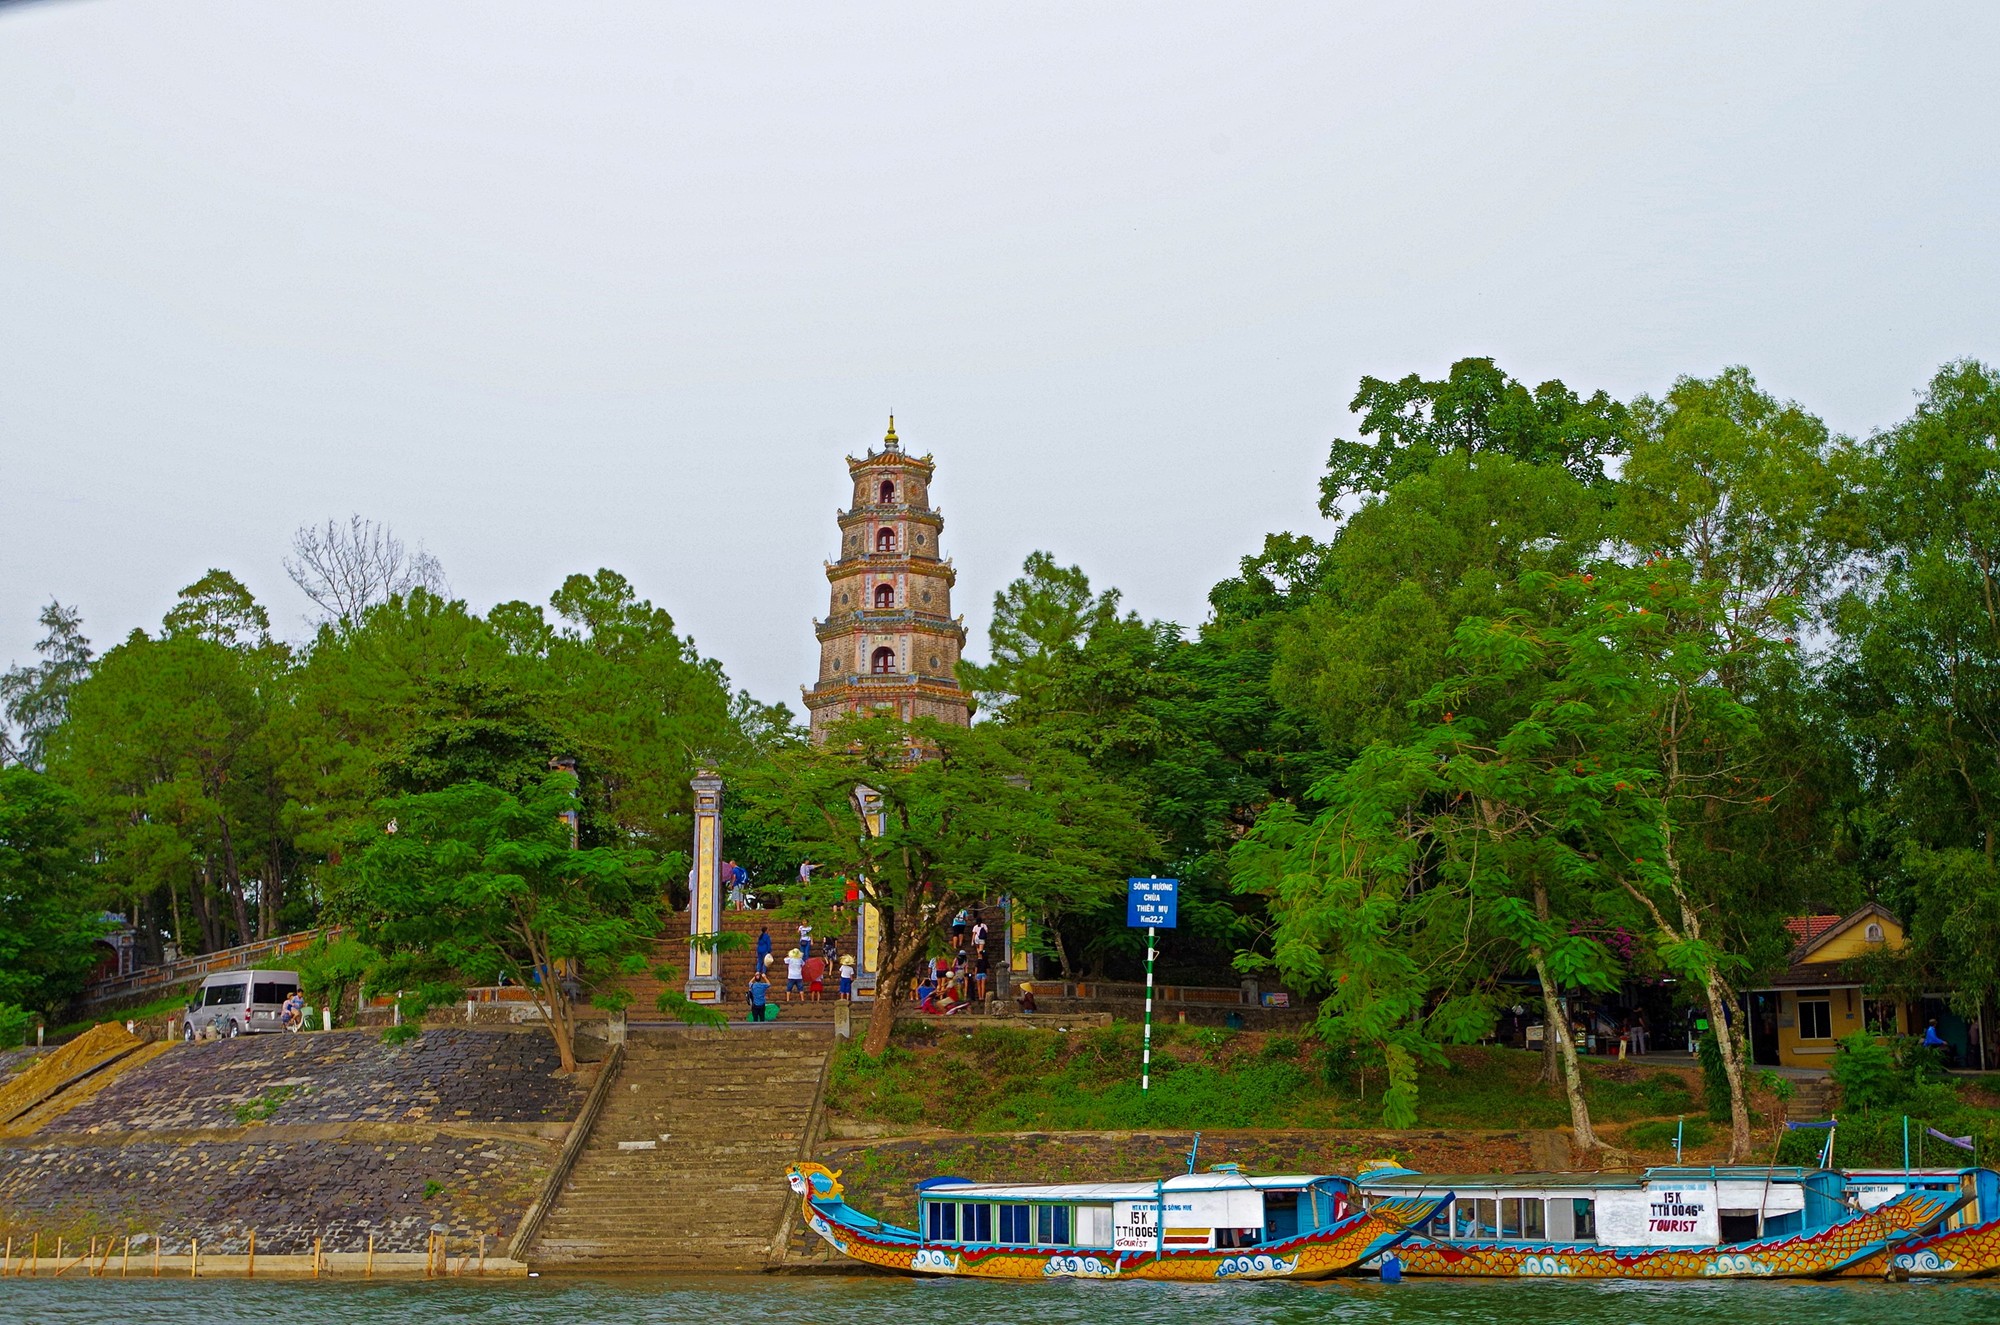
867,920
704,978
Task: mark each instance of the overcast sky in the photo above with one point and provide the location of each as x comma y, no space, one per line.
559,286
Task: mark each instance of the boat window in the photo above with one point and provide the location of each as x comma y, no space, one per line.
1052,1225
1476,1218
1521,1217
1015,1224
975,1223
942,1225
1584,1211
1092,1226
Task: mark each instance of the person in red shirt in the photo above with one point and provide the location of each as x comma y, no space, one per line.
815,973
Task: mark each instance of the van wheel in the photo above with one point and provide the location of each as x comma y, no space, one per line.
187,1031
235,1029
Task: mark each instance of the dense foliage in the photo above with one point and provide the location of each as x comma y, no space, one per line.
1575,691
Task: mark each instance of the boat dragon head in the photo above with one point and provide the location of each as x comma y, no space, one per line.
809,1179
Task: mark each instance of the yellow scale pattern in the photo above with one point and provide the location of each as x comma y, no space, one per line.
1801,1257
1960,1253
1312,1256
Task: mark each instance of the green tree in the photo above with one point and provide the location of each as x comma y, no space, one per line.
35,698
1039,619
476,880
1476,410
50,919
1917,675
968,815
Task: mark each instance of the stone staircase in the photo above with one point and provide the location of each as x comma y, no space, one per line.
685,1167
1812,1099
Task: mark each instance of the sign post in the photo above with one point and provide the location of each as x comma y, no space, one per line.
1155,904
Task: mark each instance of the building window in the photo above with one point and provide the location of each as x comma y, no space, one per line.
1874,932
885,595
1815,1016
885,540
884,662
888,492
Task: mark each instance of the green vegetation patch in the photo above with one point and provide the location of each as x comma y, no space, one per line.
260,1108
1013,1079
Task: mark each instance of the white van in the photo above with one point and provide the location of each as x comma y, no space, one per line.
239,1001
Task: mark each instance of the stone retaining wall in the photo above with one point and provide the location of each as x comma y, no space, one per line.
334,1136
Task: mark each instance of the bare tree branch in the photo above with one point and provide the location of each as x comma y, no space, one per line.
347,569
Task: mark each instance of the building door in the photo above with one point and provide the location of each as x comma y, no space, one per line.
1764,1029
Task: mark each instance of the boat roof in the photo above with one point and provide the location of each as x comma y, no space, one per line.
1124,1191
1412,1179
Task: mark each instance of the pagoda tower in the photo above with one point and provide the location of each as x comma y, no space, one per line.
889,642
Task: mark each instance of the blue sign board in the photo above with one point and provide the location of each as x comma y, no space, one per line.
1153,902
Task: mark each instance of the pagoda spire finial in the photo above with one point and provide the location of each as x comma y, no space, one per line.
889,440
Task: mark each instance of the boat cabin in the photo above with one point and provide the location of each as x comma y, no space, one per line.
1981,1187
1222,1208
1662,1207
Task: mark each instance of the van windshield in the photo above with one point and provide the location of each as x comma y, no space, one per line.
222,996
268,992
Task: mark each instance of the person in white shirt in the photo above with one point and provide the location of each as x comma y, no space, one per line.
795,974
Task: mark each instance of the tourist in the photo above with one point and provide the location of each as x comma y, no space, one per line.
763,950
979,933
847,979
795,975
293,1014
805,937
979,973
958,924
853,893
814,970
760,995
1025,996
736,875
1638,1035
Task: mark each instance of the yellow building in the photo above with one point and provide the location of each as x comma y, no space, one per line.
1796,1020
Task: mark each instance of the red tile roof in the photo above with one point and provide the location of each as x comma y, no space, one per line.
1807,928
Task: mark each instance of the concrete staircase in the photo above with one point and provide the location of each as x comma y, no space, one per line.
1812,1099
685,1167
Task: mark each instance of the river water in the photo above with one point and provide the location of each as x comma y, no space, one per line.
836,1300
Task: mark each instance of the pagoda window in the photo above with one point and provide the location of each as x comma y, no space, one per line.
884,662
885,595
885,540
888,492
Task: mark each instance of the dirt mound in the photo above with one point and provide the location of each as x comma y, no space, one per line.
58,1068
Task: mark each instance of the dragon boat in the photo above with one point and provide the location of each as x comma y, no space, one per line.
1738,1222
1219,1225
1965,1245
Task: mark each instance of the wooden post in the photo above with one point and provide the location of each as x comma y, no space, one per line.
106,1258
315,1256
250,1262
91,1255
482,1253
125,1265
194,1257
35,1256
7,1263
59,1254
156,1255
371,1254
